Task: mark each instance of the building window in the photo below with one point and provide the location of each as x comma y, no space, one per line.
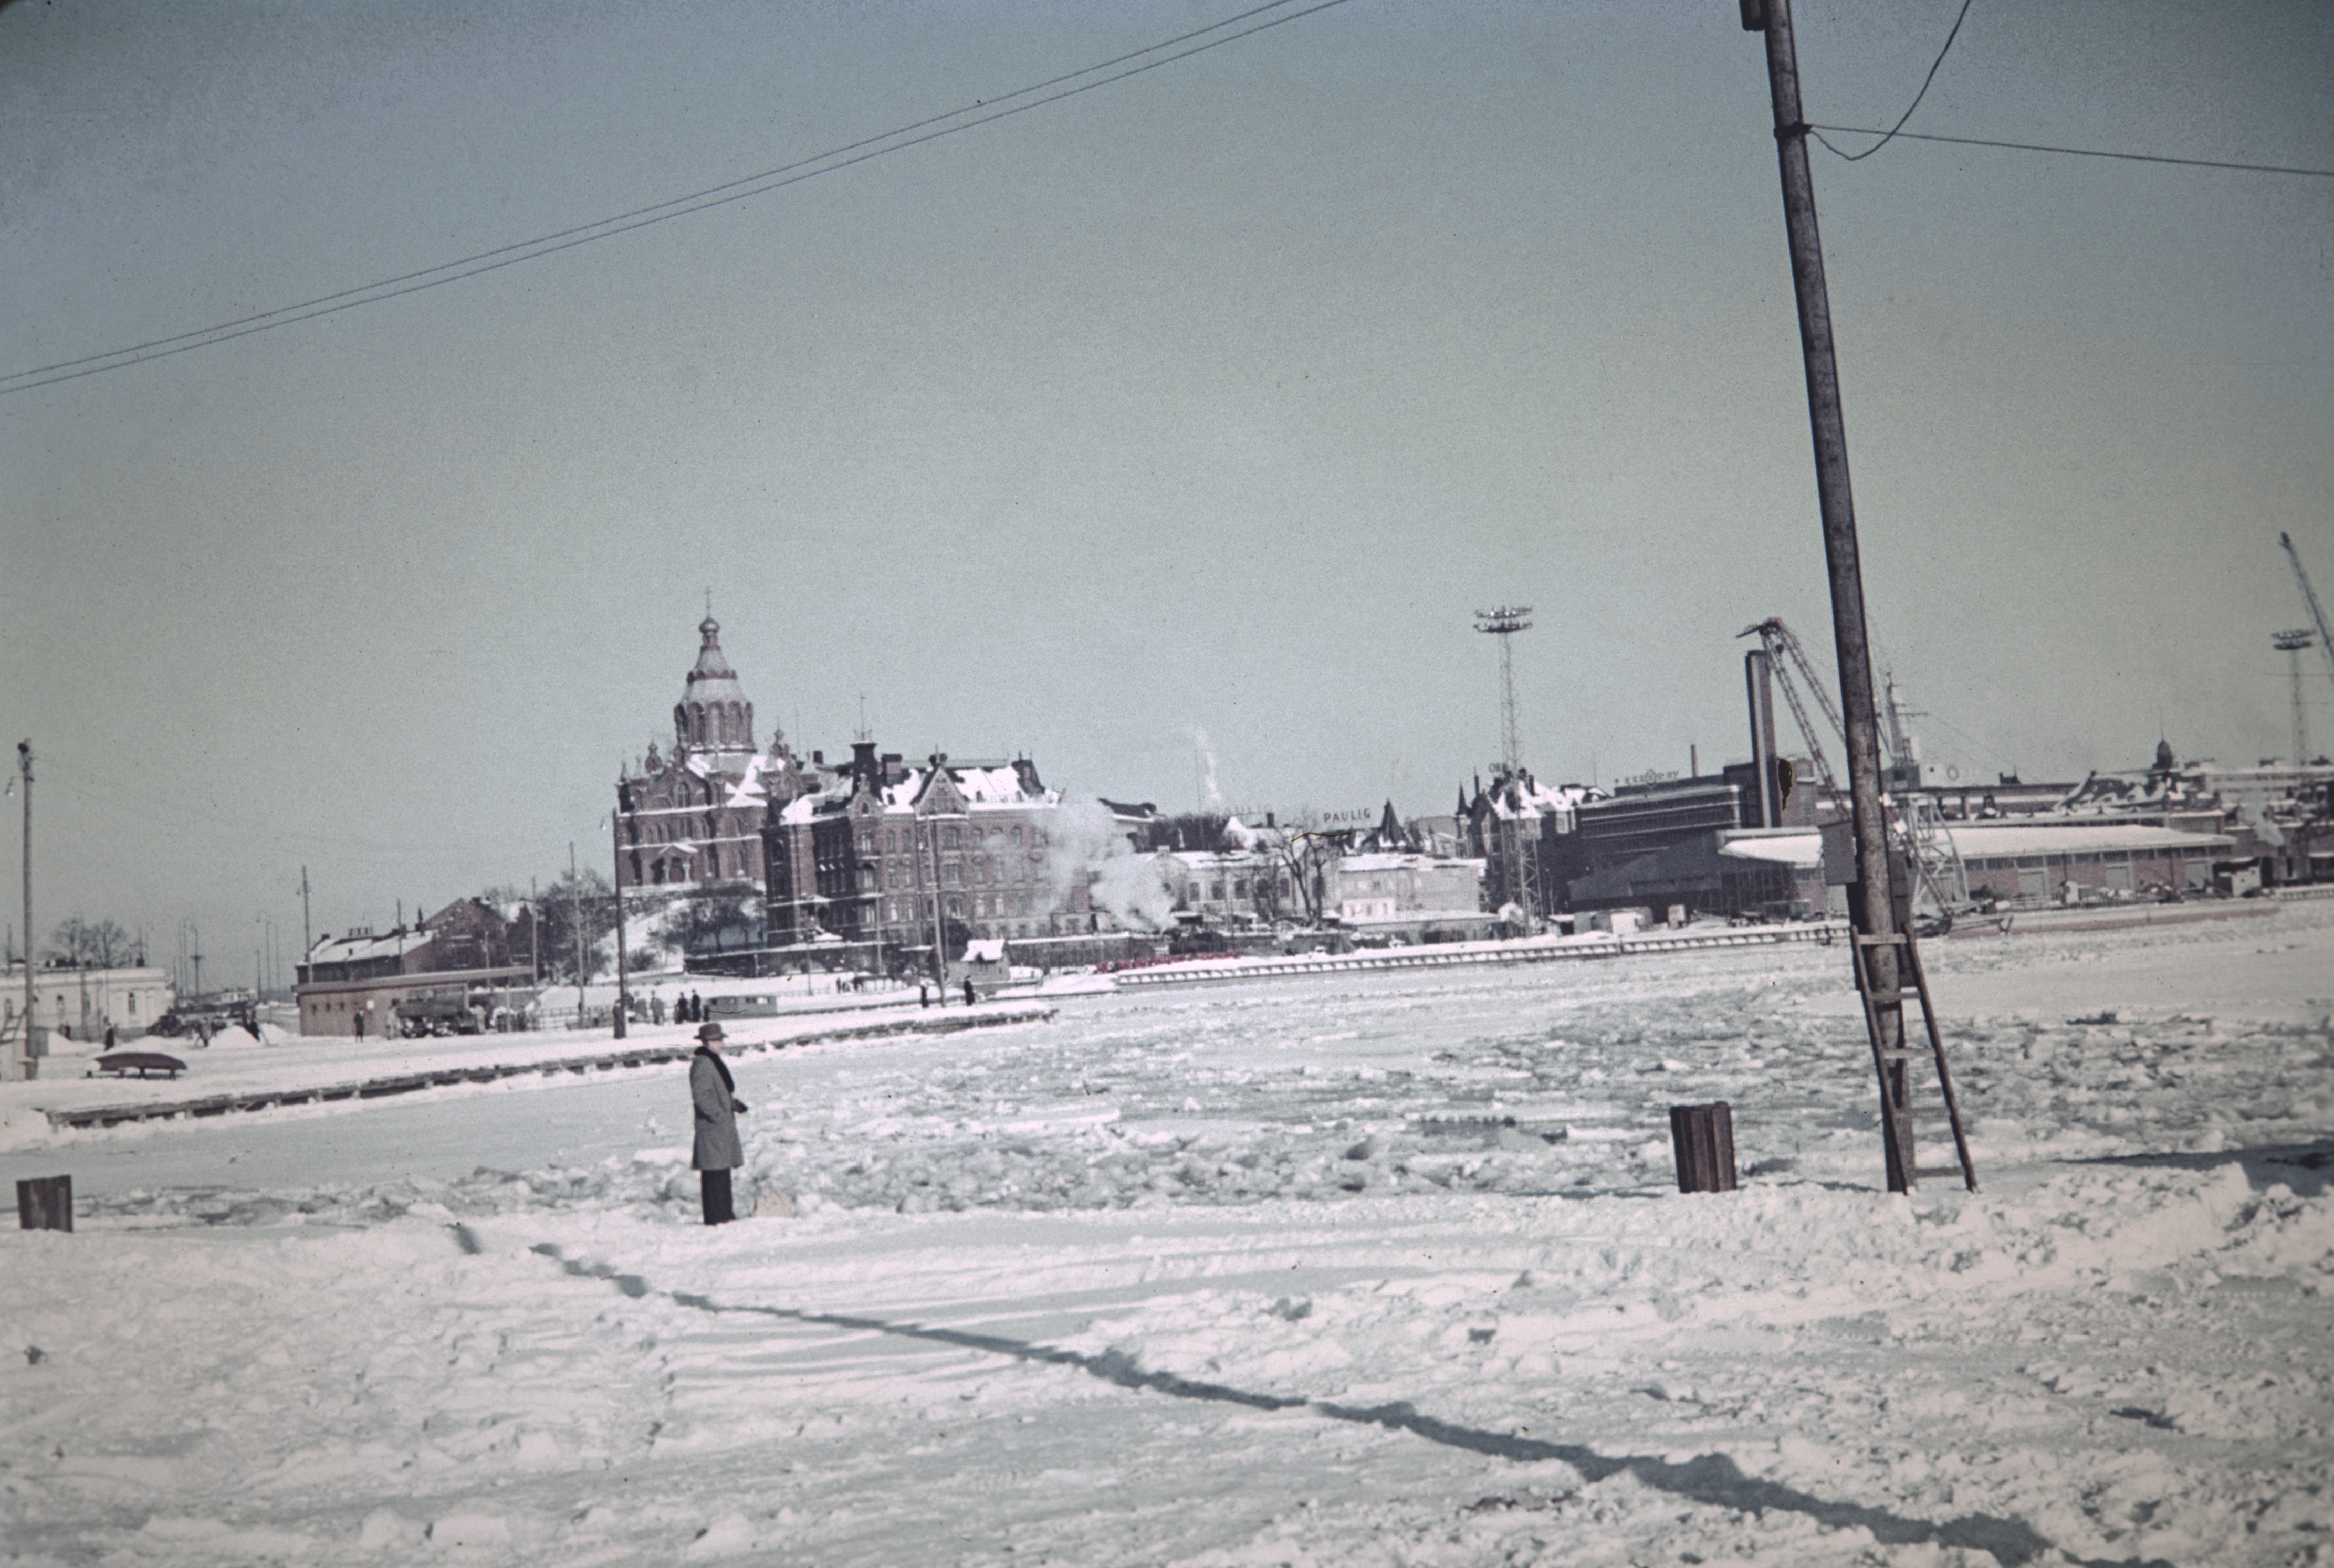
948,837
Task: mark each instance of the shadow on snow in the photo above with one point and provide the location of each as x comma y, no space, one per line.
1713,1480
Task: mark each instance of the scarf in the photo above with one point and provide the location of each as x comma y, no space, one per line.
719,1066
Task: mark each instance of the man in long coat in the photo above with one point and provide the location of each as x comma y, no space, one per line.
717,1153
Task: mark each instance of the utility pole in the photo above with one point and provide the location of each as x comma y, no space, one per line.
939,918
25,1066
616,838
575,890
307,937
1875,916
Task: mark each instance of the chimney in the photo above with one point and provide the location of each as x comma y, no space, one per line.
1759,677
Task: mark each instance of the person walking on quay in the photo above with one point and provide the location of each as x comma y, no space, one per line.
716,1152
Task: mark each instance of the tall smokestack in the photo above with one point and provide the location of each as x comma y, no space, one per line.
1759,676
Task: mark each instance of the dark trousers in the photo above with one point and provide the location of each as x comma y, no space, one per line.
717,1198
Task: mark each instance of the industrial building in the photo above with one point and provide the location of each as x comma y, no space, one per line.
464,960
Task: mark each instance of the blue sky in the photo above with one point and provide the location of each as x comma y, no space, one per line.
1211,401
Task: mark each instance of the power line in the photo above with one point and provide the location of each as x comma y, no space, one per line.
2070,151
1932,76
833,160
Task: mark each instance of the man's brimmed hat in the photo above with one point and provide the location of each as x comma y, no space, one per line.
709,1033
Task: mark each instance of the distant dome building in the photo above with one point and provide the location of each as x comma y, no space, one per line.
693,821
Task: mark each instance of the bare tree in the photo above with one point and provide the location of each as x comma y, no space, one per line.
92,944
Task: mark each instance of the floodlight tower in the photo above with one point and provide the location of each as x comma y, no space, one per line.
1504,623
1517,832
2290,644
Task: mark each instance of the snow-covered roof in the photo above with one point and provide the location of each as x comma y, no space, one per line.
356,949
1213,860
1395,860
1984,840
982,787
1515,795
1802,851
2052,836
991,786
748,791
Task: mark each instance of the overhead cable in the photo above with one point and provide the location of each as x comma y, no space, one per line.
1932,76
981,112
2078,151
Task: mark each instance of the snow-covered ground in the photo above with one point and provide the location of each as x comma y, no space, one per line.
1370,1269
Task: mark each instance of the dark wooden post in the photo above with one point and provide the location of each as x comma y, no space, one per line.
1703,1139
1869,907
44,1203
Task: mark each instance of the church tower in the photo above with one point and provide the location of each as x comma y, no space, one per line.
693,820
713,720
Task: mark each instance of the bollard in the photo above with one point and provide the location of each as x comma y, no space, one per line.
44,1203
1703,1139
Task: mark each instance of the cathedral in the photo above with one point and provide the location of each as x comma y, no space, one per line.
874,850
693,820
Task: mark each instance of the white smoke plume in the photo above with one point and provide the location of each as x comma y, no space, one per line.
1131,889
1199,742
1085,845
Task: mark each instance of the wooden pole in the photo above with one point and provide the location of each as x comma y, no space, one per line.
575,903
1872,908
623,998
23,1065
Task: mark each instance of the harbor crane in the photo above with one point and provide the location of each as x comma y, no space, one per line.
1915,818
1785,654
2317,613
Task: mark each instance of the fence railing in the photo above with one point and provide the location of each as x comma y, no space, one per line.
1823,931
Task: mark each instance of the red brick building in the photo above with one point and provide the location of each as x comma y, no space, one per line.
883,850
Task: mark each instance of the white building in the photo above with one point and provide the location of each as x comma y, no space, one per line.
78,1005
1230,889
1393,887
